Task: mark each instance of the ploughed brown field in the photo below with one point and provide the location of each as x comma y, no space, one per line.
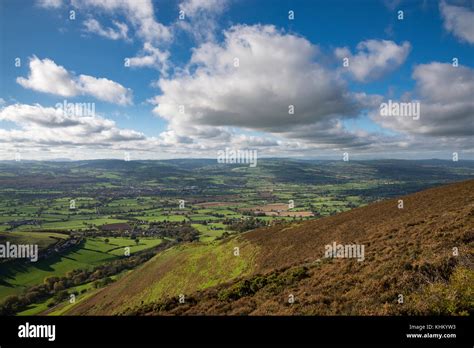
421,255
291,213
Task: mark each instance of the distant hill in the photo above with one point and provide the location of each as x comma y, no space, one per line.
421,255
383,177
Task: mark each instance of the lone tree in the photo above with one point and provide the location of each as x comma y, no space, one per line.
137,241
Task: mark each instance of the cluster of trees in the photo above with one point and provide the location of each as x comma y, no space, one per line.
181,232
247,224
253,213
56,287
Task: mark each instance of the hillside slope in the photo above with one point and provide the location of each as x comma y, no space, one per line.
408,252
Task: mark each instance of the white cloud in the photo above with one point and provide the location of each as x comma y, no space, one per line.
171,138
47,132
141,17
275,70
40,125
104,89
446,103
93,26
193,7
139,13
442,82
243,141
374,58
459,21
49,3
151,57
201,18
45,76
48,77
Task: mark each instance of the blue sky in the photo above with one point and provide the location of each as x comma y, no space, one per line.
384,52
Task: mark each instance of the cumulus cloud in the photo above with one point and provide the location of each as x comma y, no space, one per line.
93,26
446,104
276,71
48,77
52,126
171,138
459,21
374,58
152,57
141,16
47,132
330,134
104,89
42,132
201,18
139,13
45,76
243,140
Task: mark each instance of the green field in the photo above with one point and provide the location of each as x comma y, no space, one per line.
94,251
209,232
42,239
80,223
83,291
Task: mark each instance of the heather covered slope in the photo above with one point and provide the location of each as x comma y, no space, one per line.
408,252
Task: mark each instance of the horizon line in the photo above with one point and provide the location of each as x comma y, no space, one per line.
212,158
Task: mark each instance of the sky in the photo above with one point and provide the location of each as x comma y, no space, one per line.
89,79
